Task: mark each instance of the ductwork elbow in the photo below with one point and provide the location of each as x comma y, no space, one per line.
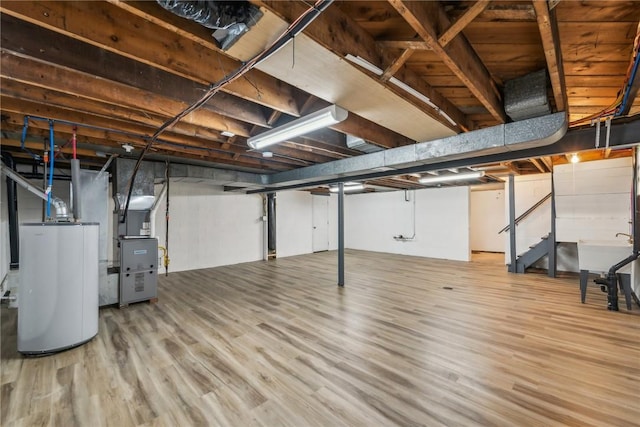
62,213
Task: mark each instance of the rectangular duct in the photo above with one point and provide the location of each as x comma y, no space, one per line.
360,144
526,97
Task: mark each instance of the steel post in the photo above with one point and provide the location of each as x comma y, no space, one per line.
341,234
512,223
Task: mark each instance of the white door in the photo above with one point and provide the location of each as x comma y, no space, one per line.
320,223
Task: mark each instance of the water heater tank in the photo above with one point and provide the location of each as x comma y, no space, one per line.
58,288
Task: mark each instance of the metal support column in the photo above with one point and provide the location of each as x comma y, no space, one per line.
551,241
341,234
271,225
512,224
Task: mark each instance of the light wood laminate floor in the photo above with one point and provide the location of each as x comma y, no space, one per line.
409,341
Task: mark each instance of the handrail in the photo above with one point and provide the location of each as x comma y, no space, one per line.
527,212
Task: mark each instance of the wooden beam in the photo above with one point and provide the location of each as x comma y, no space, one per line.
160,148
551,43
548,162
15,90
395,65
404,44
14,117
498,11
428,19
14,111
538,165
49,46
198,34
146,42
339,33
151,12
464,20
74,83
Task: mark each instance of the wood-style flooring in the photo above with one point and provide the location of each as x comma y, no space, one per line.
409,341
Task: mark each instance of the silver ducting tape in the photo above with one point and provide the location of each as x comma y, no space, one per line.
76,190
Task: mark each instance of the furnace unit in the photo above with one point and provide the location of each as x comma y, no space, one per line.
135,252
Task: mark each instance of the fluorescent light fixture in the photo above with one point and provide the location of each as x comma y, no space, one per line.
378,72
314,121
227,133
451,177
413,92
422,98
350,187
364,64
446,116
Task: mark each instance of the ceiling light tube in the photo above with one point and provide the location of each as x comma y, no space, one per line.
352,187
452,177
364,64
413,92
447,118
303,125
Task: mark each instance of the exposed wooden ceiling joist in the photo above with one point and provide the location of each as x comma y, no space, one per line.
404,44
90,87
55,48
497,11
161,49
129,133
458,25
551,44
397,64
201,36
429,20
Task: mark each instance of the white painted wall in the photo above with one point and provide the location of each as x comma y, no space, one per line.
441,222
333,222
209,228
294,223
593,199
486,219
529,189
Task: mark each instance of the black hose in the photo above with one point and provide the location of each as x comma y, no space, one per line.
12,210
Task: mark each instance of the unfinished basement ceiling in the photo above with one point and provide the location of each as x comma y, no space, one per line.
121,69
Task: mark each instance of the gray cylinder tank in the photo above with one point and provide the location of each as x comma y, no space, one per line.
58,288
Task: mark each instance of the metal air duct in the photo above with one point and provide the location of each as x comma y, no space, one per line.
229,19
526,97
360,144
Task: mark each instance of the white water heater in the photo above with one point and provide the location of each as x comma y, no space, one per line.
58,288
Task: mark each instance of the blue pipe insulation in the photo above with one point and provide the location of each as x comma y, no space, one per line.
24,131
24,138
629,84
51,164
